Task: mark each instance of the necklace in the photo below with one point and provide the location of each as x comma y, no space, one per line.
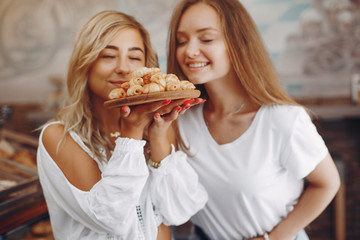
229,114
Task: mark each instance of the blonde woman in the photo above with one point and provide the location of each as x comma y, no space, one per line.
91,162
251,144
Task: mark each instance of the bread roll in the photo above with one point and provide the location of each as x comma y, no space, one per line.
136,81
25,157
171,78
159,79
125,86
117,93
173,86
152,88
187,85
135,90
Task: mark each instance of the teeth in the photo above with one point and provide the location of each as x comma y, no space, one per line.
197,65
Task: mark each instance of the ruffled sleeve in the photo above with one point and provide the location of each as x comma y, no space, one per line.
175,189
305,148
113,199
110,205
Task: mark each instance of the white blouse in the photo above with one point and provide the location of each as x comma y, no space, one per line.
131,199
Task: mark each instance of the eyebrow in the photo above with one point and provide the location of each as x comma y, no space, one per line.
130,49
202,30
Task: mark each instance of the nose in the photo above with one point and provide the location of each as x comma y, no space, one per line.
192,49
122,67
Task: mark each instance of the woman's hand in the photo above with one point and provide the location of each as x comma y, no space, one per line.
135,120
159,135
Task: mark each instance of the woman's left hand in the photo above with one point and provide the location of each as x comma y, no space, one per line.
164,117
159,136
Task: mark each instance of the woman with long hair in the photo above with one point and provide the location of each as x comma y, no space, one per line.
92,160
252,145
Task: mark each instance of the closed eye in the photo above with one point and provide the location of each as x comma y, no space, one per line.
108,56
208,40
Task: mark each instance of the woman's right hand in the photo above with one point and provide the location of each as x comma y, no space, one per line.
135,120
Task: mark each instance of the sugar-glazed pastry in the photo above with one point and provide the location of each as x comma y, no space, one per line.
173,86
171,78
187,85
158,78
152,88
117,93
136,81
135,90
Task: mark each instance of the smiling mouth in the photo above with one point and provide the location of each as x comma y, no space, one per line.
118,83
197,65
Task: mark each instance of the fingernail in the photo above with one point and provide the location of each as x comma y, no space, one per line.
157,115
179,109
166,102
189,101
187,106
123,109
203,101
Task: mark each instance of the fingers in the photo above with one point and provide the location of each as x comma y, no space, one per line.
162,107
168,118
125,111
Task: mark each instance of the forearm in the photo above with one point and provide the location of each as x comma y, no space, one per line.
160,148
310,205
160,141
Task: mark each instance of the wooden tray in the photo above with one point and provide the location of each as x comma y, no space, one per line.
151,97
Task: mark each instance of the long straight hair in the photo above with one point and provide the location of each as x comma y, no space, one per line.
249,57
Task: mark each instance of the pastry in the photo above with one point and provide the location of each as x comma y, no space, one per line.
125,86
152,88
135,90
173,86
171,78
186,85
146,80
117,93
158,78
25,157
136,81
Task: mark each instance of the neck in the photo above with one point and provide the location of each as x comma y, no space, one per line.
107,118
225,99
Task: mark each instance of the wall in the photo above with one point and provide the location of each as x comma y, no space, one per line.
314,44
36,40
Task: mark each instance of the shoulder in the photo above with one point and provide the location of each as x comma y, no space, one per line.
52,132
283,116
281,113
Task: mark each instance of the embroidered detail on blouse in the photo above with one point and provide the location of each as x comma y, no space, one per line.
141,224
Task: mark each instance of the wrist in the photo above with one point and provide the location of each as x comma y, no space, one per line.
266,236
154,164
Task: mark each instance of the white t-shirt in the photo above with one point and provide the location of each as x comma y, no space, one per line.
130,200
254,181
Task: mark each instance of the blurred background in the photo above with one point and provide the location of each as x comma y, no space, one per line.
314,45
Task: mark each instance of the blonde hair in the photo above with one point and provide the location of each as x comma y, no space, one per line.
91,39
247,52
